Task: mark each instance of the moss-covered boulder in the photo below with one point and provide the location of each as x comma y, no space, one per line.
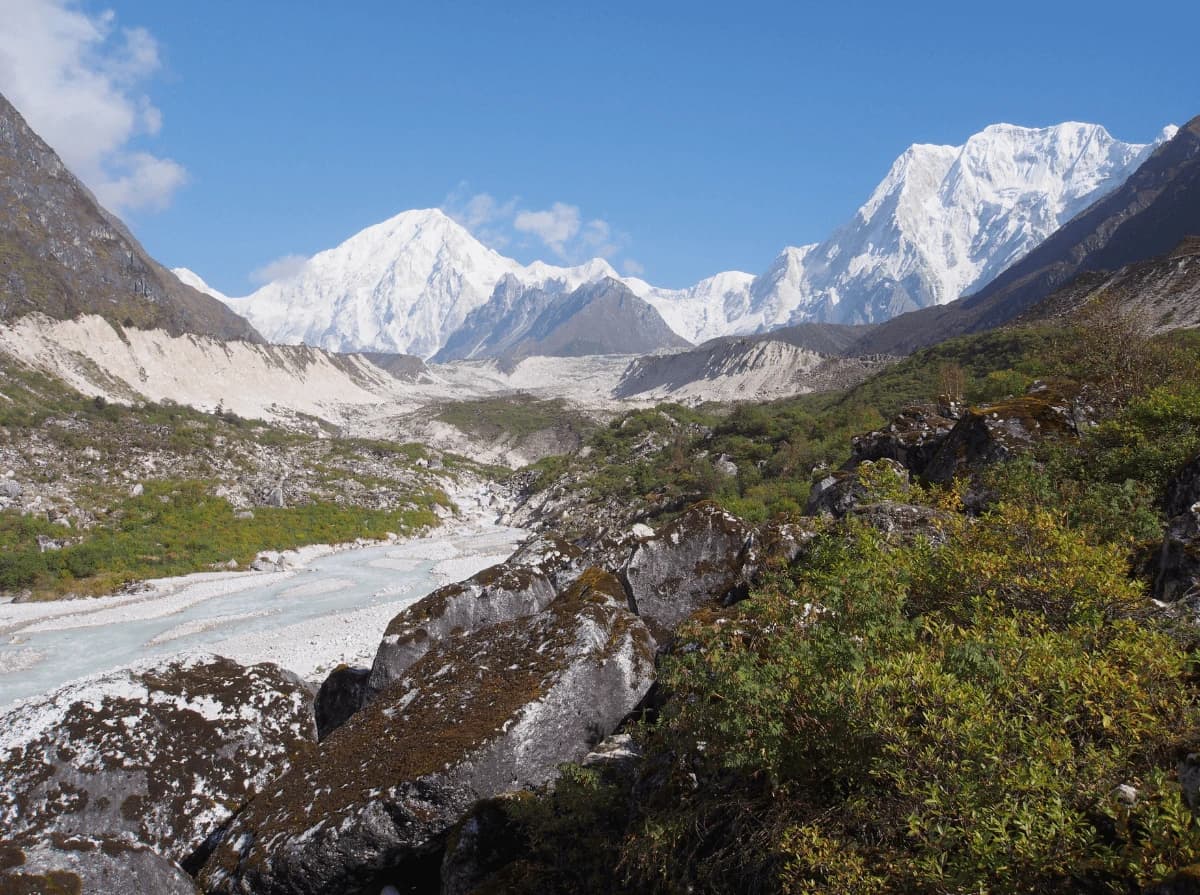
498,594
477,715
993,433
1177,575
695,560
160,755
87,865
912,439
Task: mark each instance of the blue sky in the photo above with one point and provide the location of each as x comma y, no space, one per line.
681,139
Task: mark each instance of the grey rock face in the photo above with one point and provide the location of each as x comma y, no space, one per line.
495,595
1178,569
10,489
695,560
483,842
88,866
161,755
476,716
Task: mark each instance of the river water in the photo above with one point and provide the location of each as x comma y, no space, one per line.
330,609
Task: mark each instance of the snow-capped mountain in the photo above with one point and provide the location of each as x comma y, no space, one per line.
193,279
404,286
942,223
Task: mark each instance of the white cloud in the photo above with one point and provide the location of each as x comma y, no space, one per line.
482,214
553,226
77,78
280,269
632,268
559,228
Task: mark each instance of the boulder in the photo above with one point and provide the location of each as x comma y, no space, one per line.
341,695
912,439
160,755
993,433
10,489
557,558
695,560
495,595
476,716
1177,572
76,865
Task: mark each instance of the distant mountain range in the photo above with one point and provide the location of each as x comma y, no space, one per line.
944,222
1148,216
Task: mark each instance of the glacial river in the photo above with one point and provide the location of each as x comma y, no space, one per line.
328,609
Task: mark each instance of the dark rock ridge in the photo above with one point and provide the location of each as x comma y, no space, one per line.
1145,217
63,255
341,695
1163,294
405,367
476,716
161,755
604,317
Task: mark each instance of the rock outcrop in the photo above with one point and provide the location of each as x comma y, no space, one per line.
911,439
475,716
85,865
995,432
695,560
161,755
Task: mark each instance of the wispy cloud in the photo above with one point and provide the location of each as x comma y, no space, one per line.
562,228
283,268
553,226
632,268
79,81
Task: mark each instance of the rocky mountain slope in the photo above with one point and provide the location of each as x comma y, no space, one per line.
742,369
603,317
1162,294
63,255
1147,216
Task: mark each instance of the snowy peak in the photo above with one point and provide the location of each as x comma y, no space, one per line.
193,279
402,286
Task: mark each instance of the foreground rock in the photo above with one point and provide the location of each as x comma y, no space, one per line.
87,866
696,560
160,755
341,695
495,595
1178,572
476,716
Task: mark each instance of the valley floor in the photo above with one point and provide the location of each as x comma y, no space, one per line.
327,606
